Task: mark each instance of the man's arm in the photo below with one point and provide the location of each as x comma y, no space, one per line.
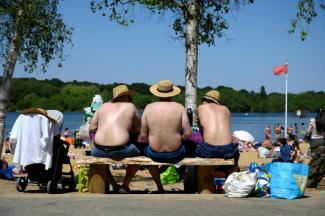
198,120
187,130
144,131
136,122
94,123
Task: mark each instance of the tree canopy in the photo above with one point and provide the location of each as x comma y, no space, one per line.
33,33
74,96
39,29
307,11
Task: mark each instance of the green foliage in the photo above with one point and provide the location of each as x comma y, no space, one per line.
305,15
74,96
212,21
39,29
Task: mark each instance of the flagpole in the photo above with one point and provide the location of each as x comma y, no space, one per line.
286,105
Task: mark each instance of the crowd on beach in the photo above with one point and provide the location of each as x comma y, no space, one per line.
293,136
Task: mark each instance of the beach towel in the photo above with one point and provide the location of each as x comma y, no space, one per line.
288,180
33,136
262,187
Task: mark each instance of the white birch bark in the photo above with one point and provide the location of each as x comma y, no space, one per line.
8,71
191,48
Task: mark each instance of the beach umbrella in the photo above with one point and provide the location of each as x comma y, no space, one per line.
243,136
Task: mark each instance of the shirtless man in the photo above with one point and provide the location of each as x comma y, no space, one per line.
113,123
164,125
214,122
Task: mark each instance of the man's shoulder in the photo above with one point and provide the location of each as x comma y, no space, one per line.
160,104
213,106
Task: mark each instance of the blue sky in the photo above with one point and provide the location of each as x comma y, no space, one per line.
146,52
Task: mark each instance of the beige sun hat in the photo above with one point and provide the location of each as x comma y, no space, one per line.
212,95
164,89
121,90
38,111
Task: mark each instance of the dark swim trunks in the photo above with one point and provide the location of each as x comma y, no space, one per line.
228,151
116,152
165,157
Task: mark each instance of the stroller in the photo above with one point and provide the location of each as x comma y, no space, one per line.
40,172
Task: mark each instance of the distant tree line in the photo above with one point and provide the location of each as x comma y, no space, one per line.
74,96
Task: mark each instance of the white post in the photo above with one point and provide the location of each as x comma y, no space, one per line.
286,108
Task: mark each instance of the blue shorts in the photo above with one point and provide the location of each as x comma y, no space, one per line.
116,152
165,157
206,150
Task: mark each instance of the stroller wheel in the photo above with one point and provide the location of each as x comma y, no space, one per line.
21,184
51,187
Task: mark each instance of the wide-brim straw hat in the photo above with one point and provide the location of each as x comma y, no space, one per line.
39,111
165,89
121,90
212,95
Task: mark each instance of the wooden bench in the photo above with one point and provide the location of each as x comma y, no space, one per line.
202,174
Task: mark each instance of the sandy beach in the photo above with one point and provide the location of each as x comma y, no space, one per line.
143,181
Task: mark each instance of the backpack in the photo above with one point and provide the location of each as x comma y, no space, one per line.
320,121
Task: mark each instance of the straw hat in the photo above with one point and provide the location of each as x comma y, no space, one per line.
212,95
39,111
165,89
121,90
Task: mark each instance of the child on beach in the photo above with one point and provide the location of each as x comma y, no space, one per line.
66,132
286,151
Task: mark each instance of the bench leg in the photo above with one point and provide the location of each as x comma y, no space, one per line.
206,179
97,178
190,179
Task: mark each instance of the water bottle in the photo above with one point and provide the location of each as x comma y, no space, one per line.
190,115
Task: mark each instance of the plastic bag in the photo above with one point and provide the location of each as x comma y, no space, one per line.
288,180
240,184
84,131
83,180
263,152
170,176
262,187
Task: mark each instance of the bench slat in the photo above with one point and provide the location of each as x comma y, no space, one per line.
142,160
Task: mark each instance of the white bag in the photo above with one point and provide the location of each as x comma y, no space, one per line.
240,184
84,131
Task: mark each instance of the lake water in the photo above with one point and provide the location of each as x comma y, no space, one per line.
254,123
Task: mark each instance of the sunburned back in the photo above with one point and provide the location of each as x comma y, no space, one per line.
215,122
164,123
115,121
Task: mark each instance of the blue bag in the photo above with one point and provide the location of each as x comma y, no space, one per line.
262,187
288,180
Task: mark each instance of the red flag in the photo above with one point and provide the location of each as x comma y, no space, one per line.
280,70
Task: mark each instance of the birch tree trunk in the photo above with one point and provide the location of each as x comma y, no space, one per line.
9,68
191,48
